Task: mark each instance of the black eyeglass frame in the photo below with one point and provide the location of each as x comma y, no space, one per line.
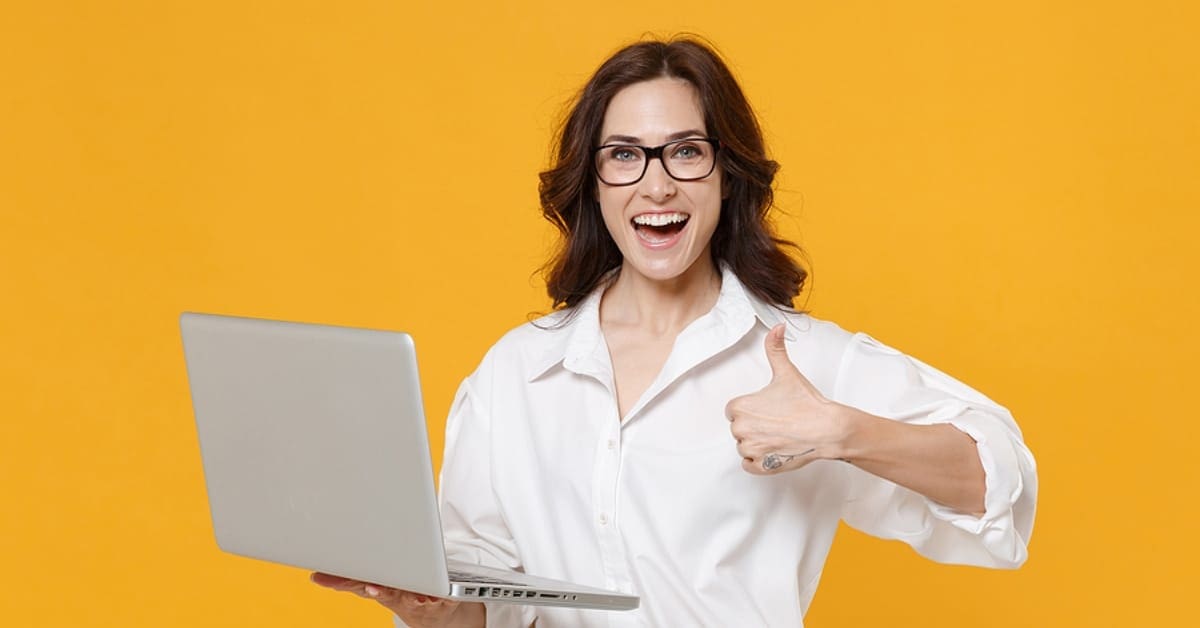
656,152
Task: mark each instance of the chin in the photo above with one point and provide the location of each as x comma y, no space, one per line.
661,269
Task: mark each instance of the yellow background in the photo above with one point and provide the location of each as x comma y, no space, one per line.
1008,192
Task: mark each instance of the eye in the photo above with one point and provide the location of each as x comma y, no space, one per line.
686,151
624,153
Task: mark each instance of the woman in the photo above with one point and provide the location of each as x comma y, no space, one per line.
675,429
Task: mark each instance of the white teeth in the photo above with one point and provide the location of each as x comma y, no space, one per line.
659,220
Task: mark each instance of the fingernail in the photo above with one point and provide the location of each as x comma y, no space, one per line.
371,591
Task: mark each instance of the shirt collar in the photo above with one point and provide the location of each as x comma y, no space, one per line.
576,339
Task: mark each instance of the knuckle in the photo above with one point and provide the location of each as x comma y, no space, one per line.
736,406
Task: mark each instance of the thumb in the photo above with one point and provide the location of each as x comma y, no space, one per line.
777,355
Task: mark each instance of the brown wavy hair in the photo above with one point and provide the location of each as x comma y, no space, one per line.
743,238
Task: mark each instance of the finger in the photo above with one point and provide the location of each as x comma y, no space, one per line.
334,582
418,600
752,466
777,356
738,430
732,408
386,595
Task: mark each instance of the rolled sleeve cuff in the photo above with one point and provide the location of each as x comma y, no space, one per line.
1003,488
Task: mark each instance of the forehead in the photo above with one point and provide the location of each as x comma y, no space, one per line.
654,109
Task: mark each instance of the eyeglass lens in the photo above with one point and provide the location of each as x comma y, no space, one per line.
684,160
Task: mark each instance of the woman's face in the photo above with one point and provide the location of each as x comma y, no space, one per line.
662,226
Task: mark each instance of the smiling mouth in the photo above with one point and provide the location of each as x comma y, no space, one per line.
659,227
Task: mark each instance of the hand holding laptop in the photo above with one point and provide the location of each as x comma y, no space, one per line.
414,609
316,455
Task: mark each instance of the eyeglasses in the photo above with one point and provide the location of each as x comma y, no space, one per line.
688,159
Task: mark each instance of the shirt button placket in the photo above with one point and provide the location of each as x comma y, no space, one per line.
605,492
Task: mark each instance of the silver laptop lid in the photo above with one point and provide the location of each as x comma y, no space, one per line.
314,448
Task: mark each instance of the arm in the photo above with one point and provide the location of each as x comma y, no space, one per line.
473,526
933,463
789,424
937,461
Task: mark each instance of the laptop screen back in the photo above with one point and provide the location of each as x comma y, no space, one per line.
314,448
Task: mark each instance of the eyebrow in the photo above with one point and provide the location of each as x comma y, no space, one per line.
629,139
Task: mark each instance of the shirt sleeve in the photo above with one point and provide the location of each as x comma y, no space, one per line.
473,525
882,381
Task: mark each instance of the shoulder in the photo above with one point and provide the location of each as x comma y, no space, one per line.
875,376
805,329
850,350
812,327
528,349
810,333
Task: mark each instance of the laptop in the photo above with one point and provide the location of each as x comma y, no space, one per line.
316,455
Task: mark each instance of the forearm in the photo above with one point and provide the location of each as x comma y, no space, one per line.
470,614
938,461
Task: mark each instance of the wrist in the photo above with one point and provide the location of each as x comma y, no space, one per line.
853,425
470,615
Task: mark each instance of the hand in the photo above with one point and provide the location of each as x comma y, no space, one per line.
788,423
415,609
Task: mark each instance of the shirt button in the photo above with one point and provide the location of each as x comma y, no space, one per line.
612,444
603,519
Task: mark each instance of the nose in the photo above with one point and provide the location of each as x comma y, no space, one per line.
656,184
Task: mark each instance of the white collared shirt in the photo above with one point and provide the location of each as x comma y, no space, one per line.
540,474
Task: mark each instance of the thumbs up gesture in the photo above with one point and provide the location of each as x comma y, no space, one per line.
788,423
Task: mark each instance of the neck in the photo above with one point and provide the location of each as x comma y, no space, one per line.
661,306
